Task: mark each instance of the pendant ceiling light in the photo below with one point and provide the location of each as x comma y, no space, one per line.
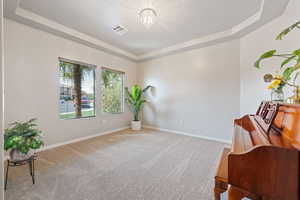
147,17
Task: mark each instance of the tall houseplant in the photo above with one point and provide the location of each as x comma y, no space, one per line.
135,100
288,69
21,138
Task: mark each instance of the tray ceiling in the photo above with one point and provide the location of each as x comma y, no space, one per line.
180,25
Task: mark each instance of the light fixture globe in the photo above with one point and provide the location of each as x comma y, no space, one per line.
147,17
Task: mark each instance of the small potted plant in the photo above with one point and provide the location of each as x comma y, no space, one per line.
22,138
135,102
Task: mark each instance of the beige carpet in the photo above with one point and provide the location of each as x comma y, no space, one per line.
146,165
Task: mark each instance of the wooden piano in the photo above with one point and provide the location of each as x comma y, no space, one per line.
263,162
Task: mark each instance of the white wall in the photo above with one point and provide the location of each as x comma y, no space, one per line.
31,82
196,92
253,89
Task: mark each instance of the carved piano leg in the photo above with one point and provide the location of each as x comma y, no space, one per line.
235,194
218,194
220,187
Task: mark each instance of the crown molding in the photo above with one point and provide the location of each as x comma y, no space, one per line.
75,35
262,16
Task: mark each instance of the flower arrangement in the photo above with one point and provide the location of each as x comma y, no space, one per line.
277,83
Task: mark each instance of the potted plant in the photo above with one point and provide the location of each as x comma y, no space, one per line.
135,102
22,138
288,69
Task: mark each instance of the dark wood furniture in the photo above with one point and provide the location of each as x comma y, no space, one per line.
264,160
29,161
221,178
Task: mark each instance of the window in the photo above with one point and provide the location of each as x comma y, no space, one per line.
112,100
77,90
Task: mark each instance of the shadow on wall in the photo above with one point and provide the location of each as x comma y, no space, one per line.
150,107
151,111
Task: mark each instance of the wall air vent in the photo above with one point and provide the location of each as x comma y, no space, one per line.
120,30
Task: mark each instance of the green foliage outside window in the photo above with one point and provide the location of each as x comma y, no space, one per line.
112,91
77,92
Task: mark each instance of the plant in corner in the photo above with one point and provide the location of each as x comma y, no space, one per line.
21,138
288,69
135,102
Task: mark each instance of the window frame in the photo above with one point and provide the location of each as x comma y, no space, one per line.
93,67
122,94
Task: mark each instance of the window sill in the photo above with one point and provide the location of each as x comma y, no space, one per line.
108,113
89,117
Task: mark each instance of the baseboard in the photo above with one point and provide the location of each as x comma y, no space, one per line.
52,146
188,134
81,139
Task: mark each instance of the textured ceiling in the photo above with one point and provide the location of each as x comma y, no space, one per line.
178,20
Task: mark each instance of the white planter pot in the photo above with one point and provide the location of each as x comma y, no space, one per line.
136,125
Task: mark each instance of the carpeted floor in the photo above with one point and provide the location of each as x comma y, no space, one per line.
146,165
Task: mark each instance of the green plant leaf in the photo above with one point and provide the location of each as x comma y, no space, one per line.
265,55
286,61
297,66
268,54
36,144
128,94
283,33
147,88
287,30
8,143
134,92
129,101
24,149
138,94
295,77
296,52
287,73
139,104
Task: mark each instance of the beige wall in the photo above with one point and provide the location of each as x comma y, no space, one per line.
253,89
31,82
196,92
1,101
193,86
